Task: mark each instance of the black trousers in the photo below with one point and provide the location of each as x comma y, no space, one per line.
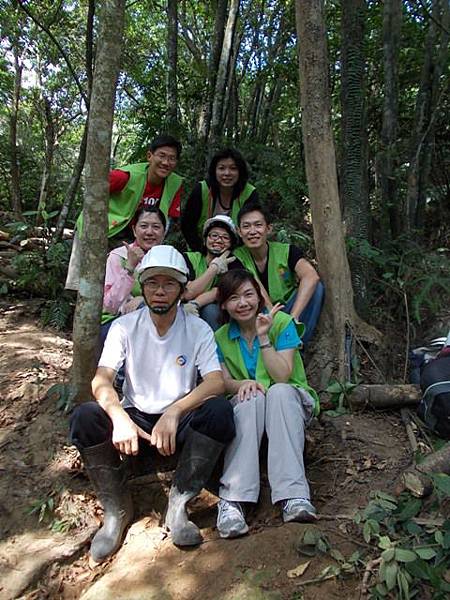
90,425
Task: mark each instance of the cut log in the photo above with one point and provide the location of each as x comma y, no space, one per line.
416,480
385,396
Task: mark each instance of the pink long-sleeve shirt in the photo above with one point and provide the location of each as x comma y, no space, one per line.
118,282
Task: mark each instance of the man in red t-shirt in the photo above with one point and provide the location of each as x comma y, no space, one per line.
162,157
131,186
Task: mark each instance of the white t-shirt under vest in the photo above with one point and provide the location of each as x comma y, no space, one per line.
159,370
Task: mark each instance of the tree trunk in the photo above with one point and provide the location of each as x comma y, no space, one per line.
16,202
172,60
72,188
392,20
323,191
221,81
74,182
427,103
95,210
354,160
48,161
385,395
213,65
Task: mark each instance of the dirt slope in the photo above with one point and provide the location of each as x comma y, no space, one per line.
347,458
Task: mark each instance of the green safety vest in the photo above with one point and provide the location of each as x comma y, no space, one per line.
208,204
282,281
136,290
199,264
235,364
122,206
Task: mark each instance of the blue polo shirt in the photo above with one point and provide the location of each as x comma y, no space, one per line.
287,340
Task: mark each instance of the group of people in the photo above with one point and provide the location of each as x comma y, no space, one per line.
207,343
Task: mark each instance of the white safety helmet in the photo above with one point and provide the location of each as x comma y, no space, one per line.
221,221
163,260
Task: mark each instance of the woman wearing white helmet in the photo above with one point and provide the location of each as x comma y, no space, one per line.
219,239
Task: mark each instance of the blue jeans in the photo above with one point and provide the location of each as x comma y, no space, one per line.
311,313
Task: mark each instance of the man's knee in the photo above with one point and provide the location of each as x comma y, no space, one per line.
89,425
215,419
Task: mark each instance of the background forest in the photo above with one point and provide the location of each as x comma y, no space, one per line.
226,72
216,73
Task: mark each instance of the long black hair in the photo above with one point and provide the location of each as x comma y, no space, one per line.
241,165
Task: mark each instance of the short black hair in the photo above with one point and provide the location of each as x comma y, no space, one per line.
241,165
142,208
165,140
251,207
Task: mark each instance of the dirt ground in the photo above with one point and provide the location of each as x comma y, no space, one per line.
42,478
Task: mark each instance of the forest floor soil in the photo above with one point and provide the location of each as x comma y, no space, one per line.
48,511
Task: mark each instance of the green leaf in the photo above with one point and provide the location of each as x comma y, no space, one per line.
367,532
388,554
419,569
425,553
381,589
334,388
441,482
391,575
403,555
403,584
439,537
384,542
409,510
337,555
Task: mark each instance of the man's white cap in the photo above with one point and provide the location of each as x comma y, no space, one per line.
220,221
163,260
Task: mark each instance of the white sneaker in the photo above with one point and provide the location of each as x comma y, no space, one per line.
230,519
298,509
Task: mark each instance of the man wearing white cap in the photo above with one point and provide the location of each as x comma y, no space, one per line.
163,349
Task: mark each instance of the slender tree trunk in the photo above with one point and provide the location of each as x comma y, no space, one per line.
95,210
74,182
16,202
428,97
72,188
172,60
48,161
354,160
323,191
221,81
213,64
392,20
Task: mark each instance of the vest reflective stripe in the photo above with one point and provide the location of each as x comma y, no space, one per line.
282,281
199,264
208,204
122,206
236,366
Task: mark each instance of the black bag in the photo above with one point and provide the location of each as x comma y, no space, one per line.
434,408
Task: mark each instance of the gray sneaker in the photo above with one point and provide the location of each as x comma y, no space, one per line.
230,519
298,509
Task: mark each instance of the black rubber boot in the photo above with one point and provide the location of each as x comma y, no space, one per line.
196,463
107,474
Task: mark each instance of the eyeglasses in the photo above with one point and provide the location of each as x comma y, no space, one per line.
168,288
167,157
215,237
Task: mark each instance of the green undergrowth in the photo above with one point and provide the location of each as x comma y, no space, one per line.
405,553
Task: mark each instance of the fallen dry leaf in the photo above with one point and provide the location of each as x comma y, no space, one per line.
299,570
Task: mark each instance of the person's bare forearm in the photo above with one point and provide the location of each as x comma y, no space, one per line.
207,297
198,286
304,295
105,394
277,365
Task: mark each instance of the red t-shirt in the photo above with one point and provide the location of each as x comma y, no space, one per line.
152,193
